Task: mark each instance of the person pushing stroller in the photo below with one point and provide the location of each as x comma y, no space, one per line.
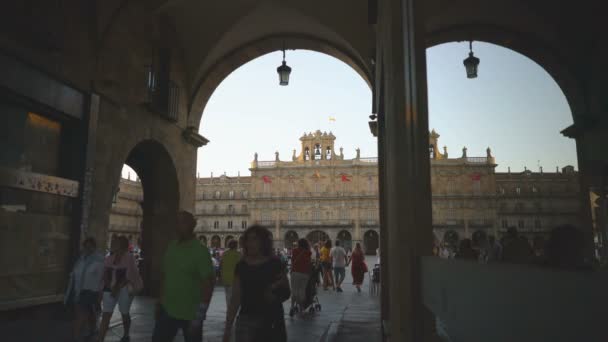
301,269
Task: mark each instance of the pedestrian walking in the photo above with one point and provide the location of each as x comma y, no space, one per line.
325,259
260,287
121,280
339,261
358,266
84,288
228,264
301,268
187,281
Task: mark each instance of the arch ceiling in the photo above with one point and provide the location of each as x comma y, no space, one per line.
225,35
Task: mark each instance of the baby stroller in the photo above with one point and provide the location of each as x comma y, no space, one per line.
374,279
311,301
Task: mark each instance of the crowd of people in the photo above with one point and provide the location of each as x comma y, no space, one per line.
257,280
563,249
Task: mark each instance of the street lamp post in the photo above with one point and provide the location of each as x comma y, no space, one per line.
284,70
471,63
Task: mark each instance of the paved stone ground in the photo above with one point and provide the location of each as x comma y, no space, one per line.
348,316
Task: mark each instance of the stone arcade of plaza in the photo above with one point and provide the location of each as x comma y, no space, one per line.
320,194
88,86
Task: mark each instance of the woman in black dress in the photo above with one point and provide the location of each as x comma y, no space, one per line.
260,287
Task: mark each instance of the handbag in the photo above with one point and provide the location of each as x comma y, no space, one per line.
365,270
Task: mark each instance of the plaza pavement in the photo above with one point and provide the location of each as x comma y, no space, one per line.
347,316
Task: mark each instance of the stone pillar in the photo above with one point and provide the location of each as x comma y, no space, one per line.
278,239
357,235
407,183
602,217
384,234
586,181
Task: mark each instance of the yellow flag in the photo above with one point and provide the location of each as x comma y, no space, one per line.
332,119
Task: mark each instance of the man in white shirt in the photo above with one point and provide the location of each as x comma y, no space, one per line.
339,260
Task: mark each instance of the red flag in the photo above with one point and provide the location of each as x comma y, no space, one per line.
476,177
266,179
345,178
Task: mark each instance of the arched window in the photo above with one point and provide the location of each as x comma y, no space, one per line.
218,194
328,153
432,151
306,153
231,194
317,152
216,224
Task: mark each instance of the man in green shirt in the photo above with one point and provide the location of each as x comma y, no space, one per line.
186,285
227,266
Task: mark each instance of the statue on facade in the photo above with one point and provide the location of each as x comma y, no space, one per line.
489,152
293,157
464,152
445,152
276,156
341,153
255,157
358,153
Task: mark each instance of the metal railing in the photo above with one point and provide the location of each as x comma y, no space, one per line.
173,103
316,223
477,160
262,164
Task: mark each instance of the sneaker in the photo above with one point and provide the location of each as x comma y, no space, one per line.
339,289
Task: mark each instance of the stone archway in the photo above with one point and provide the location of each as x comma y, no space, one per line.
216,242
203,240
451,238
345,239
227,240
291,237
370,242
317,236
160,186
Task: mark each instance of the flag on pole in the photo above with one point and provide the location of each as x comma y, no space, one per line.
476,177
332,119
345,177
266,179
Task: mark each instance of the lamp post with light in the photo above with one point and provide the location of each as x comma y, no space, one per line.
284,70
471,63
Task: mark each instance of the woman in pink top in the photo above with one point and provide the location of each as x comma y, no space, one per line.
121,280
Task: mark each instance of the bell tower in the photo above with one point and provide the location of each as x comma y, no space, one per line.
317,146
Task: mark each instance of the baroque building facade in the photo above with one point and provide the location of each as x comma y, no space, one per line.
318,194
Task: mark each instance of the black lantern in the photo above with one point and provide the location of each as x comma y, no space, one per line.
284,70
471,63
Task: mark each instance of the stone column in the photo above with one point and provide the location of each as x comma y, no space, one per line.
586,181
407,184
277,230
357,235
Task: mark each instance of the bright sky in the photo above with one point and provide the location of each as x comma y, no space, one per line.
514,107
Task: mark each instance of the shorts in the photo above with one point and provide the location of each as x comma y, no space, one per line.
88,300
326,266
124,301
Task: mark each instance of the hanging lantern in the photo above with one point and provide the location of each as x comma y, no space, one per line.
471,63
284,70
